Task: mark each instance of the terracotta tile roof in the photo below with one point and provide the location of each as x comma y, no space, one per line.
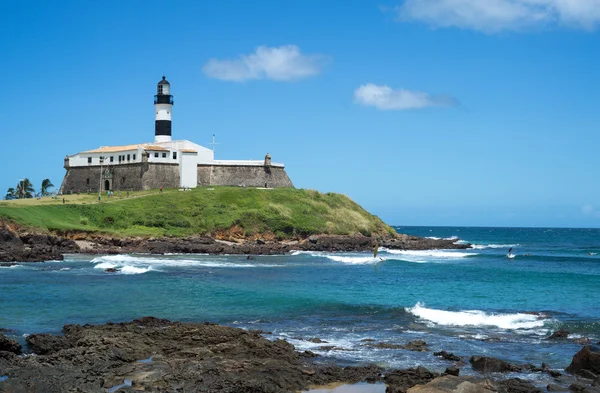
113,149
189,151
154,148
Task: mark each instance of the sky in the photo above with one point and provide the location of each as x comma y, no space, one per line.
425,112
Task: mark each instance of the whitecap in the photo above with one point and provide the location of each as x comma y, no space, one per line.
484,246
437,254
477,318
442,238
119,261
354,260
134,270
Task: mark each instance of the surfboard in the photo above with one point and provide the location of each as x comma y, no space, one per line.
510,255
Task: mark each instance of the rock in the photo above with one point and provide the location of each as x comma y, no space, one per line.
386,346
452,371
9,345
596,382
399,381
111,270
577,387
588,358
559,335
453,384
554,373
316,340
417,346
260,241
486,364
448,356
556,388
43,344
587,374
313,239
516,385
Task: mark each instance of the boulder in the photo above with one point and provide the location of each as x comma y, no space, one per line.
452,371
448,356
417,346
453,384
588,358
43,344
516,385
9,345
487,364
399,381
556,388
559,335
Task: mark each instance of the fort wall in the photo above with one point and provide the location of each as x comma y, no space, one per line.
243,175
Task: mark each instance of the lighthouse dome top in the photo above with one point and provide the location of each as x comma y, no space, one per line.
164,81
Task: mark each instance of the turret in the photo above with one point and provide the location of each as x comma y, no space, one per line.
163,103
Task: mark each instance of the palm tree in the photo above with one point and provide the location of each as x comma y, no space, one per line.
10,193
46,184
25,189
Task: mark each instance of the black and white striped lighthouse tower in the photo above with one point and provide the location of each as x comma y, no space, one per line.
163,103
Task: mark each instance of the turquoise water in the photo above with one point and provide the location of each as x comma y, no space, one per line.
470,302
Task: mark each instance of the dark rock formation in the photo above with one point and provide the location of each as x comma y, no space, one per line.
185,357
559,335
417,346
588,358
9,345
448,356
27,247
516,385
399,381
452,371
486,364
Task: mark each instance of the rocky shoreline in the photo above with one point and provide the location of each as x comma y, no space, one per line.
157,355
17,245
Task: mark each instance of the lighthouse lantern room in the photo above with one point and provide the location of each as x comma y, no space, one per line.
163,103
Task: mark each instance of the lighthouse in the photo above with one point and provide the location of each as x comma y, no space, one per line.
163,103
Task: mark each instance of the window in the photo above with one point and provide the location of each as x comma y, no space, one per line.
87,181
134,157
111,158
155,155
174,155
123,180
128,157
89,160
119,158
164,155
160,90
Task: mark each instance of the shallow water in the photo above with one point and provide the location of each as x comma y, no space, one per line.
469,302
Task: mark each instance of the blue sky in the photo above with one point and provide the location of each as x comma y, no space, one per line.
426,112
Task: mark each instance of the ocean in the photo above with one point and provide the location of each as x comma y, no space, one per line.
468,302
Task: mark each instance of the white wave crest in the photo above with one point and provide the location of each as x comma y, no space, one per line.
134,270
442,238
435,254
477,318
120,261
354,260
484,246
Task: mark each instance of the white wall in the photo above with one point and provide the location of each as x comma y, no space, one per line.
163,111
81,159
168,159
188,170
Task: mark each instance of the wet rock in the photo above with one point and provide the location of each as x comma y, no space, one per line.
596,382
9,345
43,344
383,345
588,358
111,270
554,373
559,335
448,356
516,385
556,388
399,381
587,374
453,384
316,340
452,371
486,364
417,346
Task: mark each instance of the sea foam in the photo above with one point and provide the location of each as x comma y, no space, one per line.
476,318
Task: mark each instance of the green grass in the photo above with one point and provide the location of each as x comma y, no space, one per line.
285,212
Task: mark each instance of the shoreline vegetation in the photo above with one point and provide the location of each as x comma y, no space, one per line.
157,355
215,220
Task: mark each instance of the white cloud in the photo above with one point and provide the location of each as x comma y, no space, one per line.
497,15
385,98
283,63
589,210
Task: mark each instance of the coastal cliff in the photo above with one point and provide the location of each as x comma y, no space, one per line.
220,220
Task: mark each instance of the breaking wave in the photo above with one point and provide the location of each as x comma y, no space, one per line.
131,264
478,318
484,246
442,238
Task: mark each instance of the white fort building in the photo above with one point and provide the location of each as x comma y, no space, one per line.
165,162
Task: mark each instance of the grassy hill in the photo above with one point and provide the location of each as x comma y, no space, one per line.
284,212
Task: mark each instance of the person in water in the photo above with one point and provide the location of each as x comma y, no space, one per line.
510,250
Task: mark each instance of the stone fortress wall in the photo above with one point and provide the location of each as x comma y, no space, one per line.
145,176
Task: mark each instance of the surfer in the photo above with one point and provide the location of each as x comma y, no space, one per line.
510,250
